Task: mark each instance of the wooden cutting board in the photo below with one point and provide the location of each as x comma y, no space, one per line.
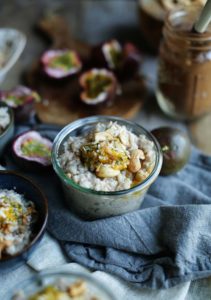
61,103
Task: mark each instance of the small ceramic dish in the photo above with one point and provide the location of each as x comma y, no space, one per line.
12,43
86,286
10,180
8,132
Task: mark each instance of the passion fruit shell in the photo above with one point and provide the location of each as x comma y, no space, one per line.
98,86
32,151
176,148
123,60
22,100
131,62
61,63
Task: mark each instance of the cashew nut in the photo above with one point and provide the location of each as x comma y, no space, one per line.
141,175
105,171
135,160
102,136
124,138
77,289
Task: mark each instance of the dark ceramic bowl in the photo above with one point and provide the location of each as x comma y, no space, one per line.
10,180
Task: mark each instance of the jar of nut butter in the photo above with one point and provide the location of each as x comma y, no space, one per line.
184,71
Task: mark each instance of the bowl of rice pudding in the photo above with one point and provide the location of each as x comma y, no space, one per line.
106,165
6,126
23,218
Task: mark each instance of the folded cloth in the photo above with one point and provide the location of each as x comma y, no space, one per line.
164,243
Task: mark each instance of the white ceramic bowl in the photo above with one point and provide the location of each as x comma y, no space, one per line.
7,135
12,43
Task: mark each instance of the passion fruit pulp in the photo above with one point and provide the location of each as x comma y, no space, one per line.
61,63
176,147
98,86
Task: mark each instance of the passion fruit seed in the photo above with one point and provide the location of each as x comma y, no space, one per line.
97,84
61,63
104,153
32,151
34,148
64,61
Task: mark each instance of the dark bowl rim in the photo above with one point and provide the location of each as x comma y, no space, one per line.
41,231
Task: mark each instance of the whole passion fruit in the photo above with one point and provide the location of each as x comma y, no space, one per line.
32,151
176,148
61,63
98,86
22,100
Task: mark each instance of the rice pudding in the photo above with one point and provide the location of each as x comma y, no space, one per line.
109,158
16,217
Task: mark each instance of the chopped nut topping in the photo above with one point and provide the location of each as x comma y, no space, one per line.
135,160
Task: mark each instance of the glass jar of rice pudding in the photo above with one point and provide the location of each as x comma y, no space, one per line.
93,203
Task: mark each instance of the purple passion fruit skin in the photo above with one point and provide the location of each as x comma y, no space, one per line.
99,86
32,151
59,64
22,100
132,62
176,148
124,60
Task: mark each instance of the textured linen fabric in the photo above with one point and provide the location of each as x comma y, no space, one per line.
48,256
166,242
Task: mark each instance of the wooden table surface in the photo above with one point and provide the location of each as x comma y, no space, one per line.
93,21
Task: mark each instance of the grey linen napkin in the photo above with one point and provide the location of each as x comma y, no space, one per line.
166,242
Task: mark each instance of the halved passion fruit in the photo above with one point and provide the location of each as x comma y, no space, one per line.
99,85
21,99
123,60
61,63
32,151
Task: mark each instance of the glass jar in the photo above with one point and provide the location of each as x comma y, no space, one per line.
91,204
184,72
